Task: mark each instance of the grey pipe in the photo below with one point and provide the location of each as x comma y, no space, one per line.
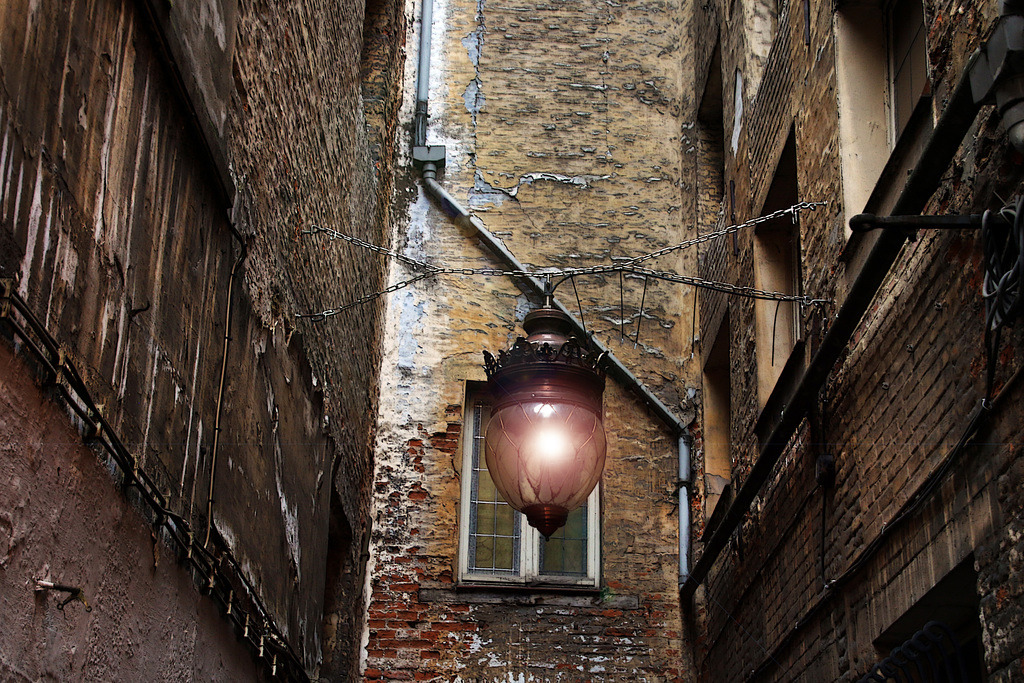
220,394
423,75
684,507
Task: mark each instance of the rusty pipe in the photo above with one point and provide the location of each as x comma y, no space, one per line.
220,394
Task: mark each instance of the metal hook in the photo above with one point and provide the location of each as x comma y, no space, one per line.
75,593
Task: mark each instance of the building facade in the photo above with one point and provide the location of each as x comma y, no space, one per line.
180,453
562,133
859,462
251,254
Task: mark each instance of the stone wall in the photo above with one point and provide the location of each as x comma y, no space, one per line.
563,134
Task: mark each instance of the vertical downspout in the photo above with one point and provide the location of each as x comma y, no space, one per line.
419,136
684,507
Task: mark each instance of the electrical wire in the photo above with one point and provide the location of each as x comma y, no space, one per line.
1002,235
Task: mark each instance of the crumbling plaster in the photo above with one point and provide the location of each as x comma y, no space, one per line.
562,130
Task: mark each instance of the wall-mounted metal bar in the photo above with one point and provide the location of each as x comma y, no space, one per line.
866,222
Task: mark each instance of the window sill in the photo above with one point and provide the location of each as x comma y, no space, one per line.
523,594
535,587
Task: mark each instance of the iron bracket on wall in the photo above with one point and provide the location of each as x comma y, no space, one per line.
866,222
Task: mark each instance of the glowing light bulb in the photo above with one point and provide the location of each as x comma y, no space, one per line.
551,444
545,410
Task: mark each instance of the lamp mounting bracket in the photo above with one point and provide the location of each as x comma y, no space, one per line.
866,222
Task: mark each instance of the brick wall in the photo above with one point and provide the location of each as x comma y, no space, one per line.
891,411
563,134
115,225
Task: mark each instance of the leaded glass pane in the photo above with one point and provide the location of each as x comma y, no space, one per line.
494,526
565,553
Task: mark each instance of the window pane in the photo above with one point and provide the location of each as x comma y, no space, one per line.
485,519
908,62
485,552
503,554
565,553
505,521
494,534
487,490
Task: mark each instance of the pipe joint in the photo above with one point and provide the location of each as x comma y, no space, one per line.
428,155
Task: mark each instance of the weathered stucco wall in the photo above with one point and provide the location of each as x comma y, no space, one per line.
563,135
61,520
118,233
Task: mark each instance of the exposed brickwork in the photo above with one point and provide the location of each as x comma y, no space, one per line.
563,135
113,219
892,408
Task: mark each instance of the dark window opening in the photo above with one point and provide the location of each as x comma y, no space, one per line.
710,150
717,421
340,591
938,638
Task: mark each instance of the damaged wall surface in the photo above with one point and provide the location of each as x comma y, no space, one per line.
562,129
163,253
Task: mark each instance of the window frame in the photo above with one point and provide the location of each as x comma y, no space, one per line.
528,573
899,120
778,266
873,157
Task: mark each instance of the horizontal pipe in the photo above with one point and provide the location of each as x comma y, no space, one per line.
612,365
866,222
949,132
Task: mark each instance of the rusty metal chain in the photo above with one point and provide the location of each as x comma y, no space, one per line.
335,235
327,313
629,266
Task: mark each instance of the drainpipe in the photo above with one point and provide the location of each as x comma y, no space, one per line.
684,507
419,136
423,155
952,127
220,393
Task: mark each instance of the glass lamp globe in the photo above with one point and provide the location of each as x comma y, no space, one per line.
545,443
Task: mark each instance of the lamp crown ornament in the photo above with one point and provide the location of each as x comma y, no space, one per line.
545,443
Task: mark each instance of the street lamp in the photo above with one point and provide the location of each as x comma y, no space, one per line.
545,443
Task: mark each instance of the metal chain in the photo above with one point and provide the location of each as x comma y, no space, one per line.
629,266
323,315
792,211
335,235
728,288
